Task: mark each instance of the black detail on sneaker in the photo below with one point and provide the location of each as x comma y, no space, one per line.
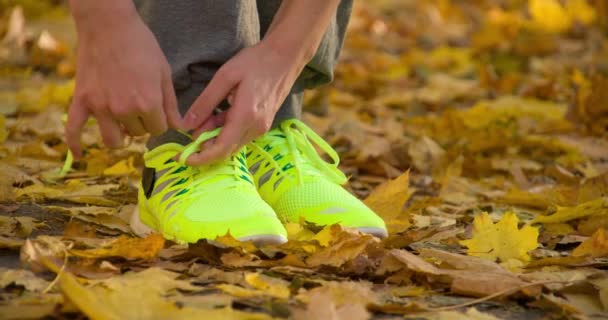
148,178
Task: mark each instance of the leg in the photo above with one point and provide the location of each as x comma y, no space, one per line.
197,37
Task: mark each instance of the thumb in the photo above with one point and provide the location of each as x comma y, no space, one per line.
217,90
77,117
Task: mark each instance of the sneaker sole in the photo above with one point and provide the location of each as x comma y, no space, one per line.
374,231
141,230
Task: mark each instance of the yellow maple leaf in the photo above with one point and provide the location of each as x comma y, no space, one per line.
503,240
549,15
596,246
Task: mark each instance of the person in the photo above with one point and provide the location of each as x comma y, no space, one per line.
232,73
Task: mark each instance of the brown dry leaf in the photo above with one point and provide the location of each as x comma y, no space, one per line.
110,217
590,225
426,154
44,252
228,241
596,246
558,261
470,314
462,262
23,278
74,191
388,199
345,245
10,243
321,306
480,284
32,306
20,227
126,247
398,259
343,293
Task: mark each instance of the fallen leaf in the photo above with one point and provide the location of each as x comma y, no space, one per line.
321,306
563,214
3,131
388,199
346,245
549,15
581,10
273,287
596,246
23,278
503,240
140,296
20,227
121,168
470,314
461,262
126,247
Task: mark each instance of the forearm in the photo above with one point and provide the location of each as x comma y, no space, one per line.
91,16
298,27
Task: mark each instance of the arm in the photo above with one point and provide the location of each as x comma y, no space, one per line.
258,79
122,76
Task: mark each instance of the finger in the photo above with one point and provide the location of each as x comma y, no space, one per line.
77,117
230,139
154,122
133,126
218,89
212,122
111,132
174,119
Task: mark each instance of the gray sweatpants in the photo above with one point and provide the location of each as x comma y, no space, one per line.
198,36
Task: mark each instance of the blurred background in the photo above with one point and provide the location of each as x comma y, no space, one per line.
421,84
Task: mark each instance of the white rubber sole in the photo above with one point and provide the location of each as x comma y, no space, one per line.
376,232
142,230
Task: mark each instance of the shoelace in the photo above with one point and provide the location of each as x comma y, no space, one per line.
299,137
184,152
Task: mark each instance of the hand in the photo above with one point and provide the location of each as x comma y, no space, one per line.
256,81
123,79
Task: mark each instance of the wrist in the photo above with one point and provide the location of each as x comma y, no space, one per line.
296,52
91,16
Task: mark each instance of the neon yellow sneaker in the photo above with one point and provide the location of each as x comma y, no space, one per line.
188,204
297,183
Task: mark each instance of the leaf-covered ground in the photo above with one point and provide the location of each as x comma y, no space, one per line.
477,129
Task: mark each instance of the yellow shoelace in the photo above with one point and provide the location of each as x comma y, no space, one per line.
300,139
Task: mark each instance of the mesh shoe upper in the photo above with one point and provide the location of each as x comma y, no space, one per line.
298,183
192,203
